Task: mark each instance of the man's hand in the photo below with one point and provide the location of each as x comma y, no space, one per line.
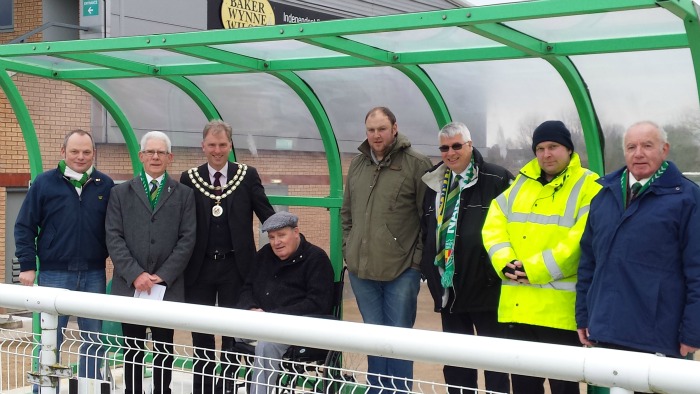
27,277
516,272
155,278
256,310
143,282
685,349
583,337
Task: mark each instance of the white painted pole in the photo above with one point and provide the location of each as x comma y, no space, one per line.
603,367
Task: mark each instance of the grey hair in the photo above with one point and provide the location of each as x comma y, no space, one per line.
158,135
218,125
663,135
454,129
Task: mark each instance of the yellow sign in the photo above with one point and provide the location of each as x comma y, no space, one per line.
246,13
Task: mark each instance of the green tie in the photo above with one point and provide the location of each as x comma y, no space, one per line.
634,190
450,203
154,190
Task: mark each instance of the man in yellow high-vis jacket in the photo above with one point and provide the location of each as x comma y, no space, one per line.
532,234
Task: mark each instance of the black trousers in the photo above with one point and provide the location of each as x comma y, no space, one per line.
535,385
219,284
471,323
133,358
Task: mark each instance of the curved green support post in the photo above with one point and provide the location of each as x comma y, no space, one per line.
118,115
586,111
24,121
330,144
688,12
431,93
35,166
202,100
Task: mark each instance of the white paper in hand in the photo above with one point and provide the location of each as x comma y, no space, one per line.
157,293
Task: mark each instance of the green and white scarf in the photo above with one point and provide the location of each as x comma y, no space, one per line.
447,226
75,178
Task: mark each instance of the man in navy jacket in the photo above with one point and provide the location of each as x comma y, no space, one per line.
62,222
639,276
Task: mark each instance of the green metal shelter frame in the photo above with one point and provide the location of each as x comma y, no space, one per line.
345,45
209,53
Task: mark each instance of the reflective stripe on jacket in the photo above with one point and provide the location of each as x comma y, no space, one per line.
540,225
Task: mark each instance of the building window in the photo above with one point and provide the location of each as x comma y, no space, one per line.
6,14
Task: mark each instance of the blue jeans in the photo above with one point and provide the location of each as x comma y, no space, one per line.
92,281
388,303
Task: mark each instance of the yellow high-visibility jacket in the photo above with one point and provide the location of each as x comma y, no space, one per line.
540,225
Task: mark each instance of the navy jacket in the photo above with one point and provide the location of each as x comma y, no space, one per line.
300,285
639,275
70,228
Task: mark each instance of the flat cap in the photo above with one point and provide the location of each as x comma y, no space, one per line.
280,220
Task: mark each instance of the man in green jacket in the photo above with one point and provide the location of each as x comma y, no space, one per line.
381,237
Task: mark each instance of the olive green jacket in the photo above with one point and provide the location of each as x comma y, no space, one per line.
381,212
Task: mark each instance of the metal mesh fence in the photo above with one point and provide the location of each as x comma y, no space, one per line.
301,370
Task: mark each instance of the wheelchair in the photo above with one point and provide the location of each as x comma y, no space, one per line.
310,369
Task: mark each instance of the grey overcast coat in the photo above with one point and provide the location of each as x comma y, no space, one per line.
158,241
381,212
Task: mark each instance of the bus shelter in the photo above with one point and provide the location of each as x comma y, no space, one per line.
302,90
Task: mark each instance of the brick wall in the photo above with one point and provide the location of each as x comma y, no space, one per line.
28,16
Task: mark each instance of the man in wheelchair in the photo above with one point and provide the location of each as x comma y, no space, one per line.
291,276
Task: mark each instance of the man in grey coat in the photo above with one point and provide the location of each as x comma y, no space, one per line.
151,229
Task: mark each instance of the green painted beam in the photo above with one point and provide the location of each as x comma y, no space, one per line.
510,37
586,111
110,62
354,49
430,92
319,202
686,10
92,73
221,56
31,142
461,55
119,117
317,63
25,68
198,69
618,45
445,18
335,169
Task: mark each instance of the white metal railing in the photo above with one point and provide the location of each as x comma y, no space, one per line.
601,367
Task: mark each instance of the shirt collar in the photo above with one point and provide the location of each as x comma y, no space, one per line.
159,179
632,180
212,171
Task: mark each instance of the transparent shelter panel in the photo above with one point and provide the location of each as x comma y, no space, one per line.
348,94
273,50
52,62
156,57
424,40
602,25
265,113
154,104
502,102
655,85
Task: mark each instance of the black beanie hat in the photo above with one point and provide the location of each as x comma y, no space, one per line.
552,130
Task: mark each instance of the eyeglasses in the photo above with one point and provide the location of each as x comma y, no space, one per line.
455,146
151,153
